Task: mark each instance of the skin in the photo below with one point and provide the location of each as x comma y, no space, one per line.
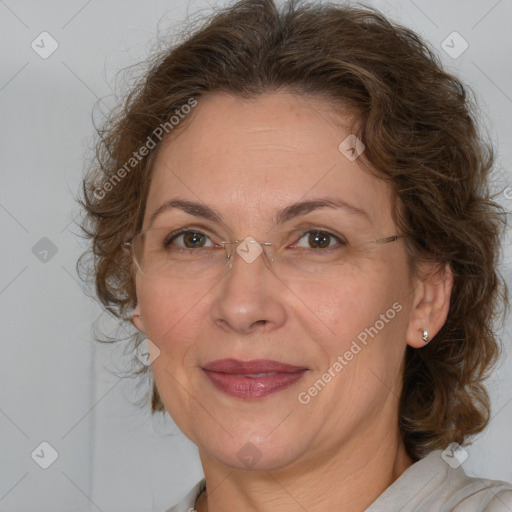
247,159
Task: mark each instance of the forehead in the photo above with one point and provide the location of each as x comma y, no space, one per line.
248,158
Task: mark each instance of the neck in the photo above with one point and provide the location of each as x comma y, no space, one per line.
350,480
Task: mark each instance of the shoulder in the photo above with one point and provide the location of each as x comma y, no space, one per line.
460,492
433,485
187,504
480,495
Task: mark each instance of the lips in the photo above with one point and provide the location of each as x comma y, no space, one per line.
234,366
252,379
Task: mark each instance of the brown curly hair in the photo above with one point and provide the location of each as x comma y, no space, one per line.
421,133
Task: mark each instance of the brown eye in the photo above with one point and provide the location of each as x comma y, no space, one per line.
193,239
319,239
187,239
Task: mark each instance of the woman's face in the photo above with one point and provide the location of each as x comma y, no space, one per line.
343,326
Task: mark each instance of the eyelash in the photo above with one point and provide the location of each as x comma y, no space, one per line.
174,235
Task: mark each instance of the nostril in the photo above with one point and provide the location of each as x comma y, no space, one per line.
258,323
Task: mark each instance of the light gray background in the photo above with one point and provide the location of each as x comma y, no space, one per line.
56,385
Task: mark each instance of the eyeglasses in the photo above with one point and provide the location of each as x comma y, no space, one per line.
190,254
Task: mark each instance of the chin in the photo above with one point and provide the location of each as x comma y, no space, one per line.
254,452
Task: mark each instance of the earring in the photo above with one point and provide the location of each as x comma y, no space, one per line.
424,336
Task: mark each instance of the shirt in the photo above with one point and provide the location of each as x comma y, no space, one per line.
429,485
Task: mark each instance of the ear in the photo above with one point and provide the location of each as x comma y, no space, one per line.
137,321
431,303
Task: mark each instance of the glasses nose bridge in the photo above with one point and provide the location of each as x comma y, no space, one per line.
253,250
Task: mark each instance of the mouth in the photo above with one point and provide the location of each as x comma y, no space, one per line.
252,379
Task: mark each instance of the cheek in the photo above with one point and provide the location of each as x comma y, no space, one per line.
364,321
170,312
345,308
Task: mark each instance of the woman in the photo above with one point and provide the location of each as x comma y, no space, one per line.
292,207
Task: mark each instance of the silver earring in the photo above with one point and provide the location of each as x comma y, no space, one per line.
424,336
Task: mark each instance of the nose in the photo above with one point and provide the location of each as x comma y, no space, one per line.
250,296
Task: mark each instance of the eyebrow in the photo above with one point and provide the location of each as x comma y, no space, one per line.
287,213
